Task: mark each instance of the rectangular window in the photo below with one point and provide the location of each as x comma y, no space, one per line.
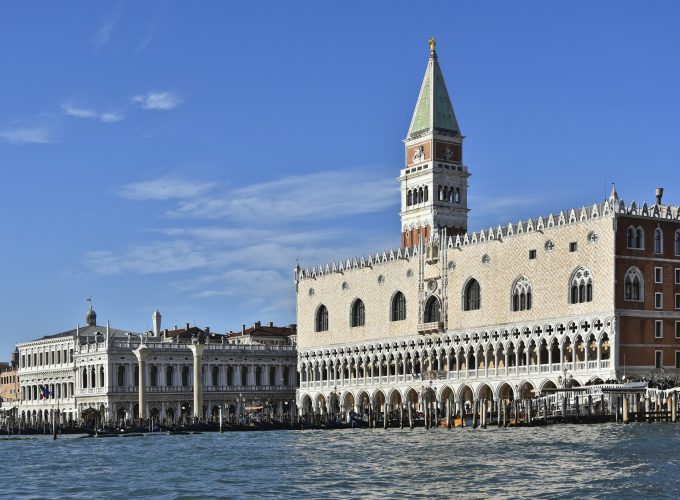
677,359
658,300
532,254
658,361
572,246
658,275
677,300
658,329
677,275
677,329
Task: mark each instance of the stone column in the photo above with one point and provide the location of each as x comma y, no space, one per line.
141,353
197,350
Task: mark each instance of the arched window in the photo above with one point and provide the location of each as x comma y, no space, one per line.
457,196
169,376
258,376
409,199
658,240
677,242
581,288
185,376
121,376
420,195
440,196
521,295
446,194
215,372
432,310
472,296
426,193
321,320
633,285
153,376
84,378
452,195
101,376
635,237
358,313
398,307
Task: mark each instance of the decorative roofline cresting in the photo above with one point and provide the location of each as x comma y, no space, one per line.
609,208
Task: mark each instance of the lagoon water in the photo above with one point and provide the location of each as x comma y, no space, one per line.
609,460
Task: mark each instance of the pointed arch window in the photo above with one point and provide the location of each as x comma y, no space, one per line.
658,240
633,285
358,313
457,195
472,296
521,295
398,307
426,193
321,320
432,310
440,196
581,286
409,198
635,237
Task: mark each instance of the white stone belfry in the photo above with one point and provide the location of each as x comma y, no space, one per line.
156,323
434,181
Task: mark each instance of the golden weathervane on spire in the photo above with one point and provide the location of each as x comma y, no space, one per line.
432,43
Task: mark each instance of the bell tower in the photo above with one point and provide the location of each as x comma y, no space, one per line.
434,181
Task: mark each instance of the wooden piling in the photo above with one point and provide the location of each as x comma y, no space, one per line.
474,414
448,413
648,416
674,407
410,416
401,415
625,408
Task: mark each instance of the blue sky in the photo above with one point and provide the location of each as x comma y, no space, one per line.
181,156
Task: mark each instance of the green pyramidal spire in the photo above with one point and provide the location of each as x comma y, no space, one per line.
434,111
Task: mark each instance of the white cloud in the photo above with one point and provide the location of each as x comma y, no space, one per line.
27,135
103,34
164,188
157,100
109,117
304,197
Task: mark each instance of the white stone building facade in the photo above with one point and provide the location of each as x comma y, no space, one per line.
512,311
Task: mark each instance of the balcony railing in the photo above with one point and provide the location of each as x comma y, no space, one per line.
461,374
434,326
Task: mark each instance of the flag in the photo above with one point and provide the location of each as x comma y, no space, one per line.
44,391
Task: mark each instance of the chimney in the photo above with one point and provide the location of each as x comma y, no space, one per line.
187,327
243,329
207,330
659,195
271,324
256,325
166,331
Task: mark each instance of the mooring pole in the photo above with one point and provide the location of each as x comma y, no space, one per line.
401,415
625,408
448,413
674,407
410,416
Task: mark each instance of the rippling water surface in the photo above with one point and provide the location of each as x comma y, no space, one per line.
611,460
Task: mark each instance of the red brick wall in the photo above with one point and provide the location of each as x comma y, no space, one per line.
637,318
